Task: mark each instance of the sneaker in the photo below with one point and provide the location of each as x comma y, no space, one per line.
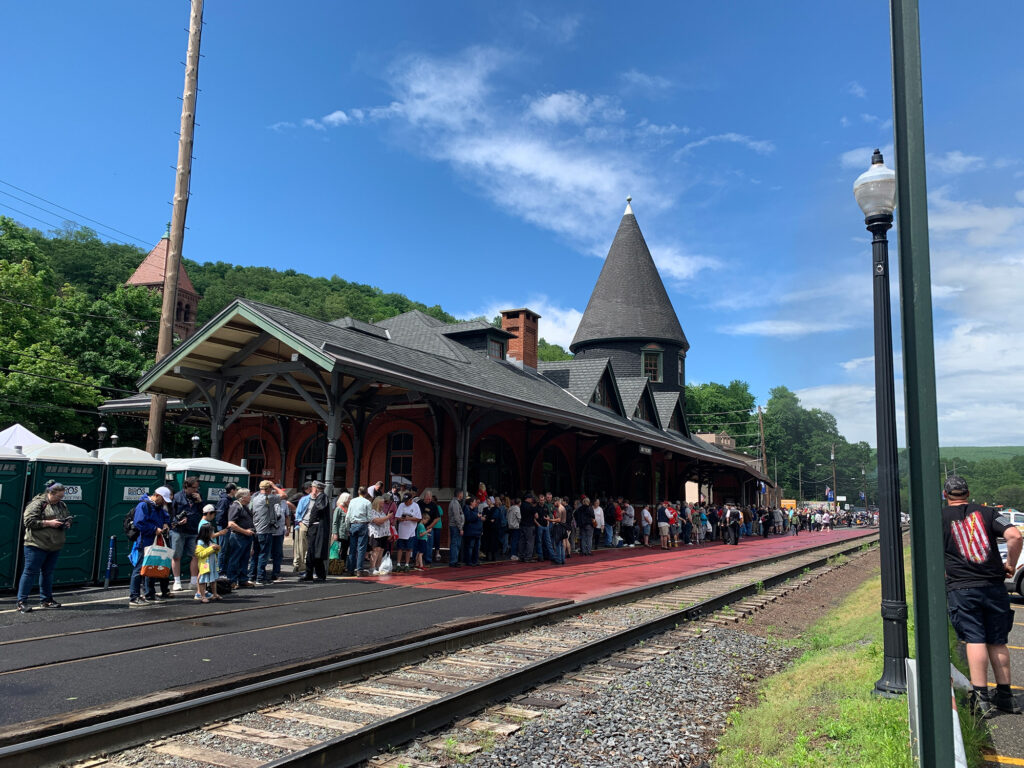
1005,702
198,596
514,557
193,582
980,704
23,607
209,595
155,599
49,604
176,587
362,573
137,602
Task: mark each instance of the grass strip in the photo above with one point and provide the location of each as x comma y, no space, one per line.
821,712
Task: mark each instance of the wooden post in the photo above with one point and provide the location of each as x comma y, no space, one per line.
165,341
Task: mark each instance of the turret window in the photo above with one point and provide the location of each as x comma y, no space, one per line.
652,366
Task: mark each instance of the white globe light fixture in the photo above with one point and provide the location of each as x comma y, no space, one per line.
875,189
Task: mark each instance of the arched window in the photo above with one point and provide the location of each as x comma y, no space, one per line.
177,313
554,474
312,462
255,461
186,312
400,458
597,477
494,464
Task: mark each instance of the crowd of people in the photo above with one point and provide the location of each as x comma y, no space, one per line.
239,542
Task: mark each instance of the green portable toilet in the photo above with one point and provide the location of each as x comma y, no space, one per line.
213,475
130,474
82,476
13,471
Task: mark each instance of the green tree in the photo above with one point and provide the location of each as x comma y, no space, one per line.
551,352
714,407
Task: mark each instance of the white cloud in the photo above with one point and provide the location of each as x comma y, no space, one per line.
956,162
856,89
572,107
316,125
761,146
561,29
1020,196
784,329
857,363
860,158
652,84
335,118
876,120
678,265
844,121
980,225
281,125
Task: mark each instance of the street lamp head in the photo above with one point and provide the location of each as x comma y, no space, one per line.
195,439
875,189
101,430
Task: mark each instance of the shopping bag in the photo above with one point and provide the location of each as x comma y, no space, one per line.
156,560
385,565
335,553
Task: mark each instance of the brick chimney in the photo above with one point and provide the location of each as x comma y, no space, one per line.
522,324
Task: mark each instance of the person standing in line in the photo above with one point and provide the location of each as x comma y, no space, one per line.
300,530
408,515
979,606
46,520
318,542
472,530
224,502
264,514
379,532
527,528
584,515
512,518
208,579
456,525
186,512
598,523
340,530
150,520
241,536
646,521
284,511
628,524
432,522
360,514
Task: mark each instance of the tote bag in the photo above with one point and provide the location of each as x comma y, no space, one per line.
156,560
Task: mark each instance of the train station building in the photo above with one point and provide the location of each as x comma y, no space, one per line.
432,404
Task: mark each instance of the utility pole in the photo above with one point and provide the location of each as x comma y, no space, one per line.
835,490
800,480
172,264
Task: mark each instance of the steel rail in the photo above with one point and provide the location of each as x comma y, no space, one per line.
55,744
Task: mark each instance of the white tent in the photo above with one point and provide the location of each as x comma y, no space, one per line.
18,435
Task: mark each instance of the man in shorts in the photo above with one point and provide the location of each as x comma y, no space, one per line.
979,607
408,517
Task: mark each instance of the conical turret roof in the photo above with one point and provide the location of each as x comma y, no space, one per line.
629,300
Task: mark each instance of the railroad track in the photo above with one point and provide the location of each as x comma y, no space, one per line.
360,706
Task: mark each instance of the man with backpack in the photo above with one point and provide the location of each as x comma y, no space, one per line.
148,520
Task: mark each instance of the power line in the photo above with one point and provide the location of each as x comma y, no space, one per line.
80,215
46,407
78,313
66,381
28,215
77,363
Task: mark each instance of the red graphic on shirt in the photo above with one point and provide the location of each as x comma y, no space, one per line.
971,538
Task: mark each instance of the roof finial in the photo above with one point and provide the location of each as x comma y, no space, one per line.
167,232
629,208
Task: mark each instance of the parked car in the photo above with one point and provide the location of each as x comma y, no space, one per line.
1016,583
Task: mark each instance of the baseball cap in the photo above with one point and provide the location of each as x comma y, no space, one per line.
208,509
406,496
955,485
165,492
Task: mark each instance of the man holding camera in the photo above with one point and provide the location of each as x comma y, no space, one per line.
46,520
186,512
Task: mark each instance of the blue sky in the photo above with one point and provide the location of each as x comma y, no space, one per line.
478,155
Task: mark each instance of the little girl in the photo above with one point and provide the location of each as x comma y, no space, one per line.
207,565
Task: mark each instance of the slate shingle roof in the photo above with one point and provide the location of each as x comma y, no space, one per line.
629,300
419,356
151,270
667,403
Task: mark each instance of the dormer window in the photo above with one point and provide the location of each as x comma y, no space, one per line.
603,394
642,411
496,349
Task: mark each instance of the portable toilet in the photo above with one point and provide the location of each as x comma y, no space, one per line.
82,477
213,475
13,471
130,474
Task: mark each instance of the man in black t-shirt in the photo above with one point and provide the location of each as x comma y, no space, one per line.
979,606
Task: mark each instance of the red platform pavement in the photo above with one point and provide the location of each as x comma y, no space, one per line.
614,570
